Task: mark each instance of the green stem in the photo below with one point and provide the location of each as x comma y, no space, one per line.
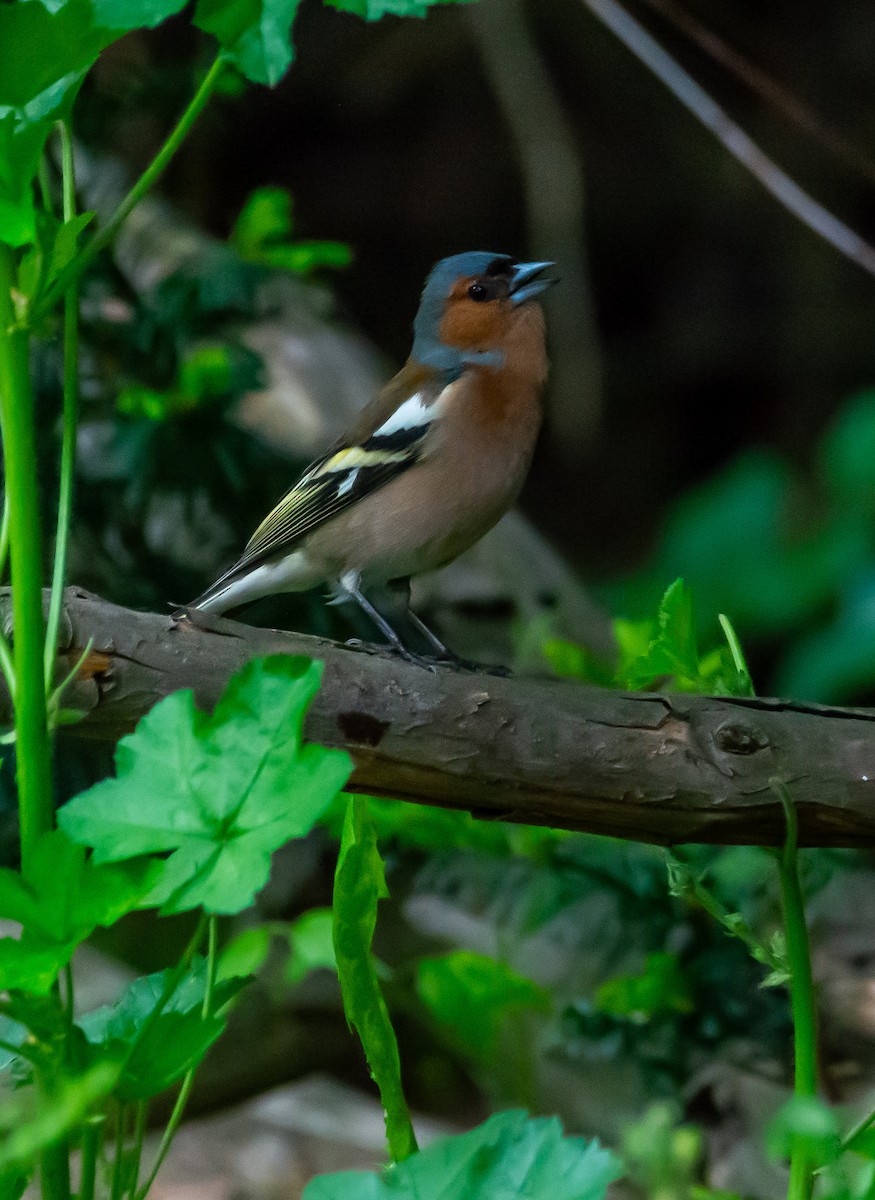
851,1136
684,883
92,1135
69,999
118,1163
152,173
33,762
4,534
19,1051
139,1139
172,983
70,418
188,1081
802,999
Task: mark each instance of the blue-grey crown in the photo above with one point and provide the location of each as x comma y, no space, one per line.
427,346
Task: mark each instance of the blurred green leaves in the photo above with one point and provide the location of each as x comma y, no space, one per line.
207,373
473,997
660,987
790,551
660,652
220,791
804,1124
508,1155
262,235
373,10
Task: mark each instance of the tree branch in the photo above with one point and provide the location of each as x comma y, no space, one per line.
646,767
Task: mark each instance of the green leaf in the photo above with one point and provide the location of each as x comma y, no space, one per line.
661,1155
156,1052
373,10
265,217
262,231
13,1184
32,1120
804,1125
31,968
567,660
45,52
222,791
864,1143
65,897
255,34
245,954
660,988
508,1155
206,371
359,883
311,939
122,15
472,996
673,651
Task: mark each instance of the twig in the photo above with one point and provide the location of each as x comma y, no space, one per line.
732,137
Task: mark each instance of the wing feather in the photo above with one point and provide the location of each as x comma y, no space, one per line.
346,474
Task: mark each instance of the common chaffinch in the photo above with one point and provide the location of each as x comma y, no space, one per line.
433,461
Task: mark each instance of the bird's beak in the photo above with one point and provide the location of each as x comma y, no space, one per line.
525,284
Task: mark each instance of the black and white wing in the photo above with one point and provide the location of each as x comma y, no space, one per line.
340,479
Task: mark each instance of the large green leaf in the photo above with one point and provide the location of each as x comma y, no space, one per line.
157,1051
256,35
359,883
221,790
507,1156
45,52
64,898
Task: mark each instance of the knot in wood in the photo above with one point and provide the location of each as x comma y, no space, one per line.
740,739
362,727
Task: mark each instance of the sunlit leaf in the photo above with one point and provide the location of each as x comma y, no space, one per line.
222,791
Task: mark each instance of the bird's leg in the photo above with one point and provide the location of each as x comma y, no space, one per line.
349,584
400,589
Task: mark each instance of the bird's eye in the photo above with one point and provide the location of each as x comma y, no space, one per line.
478,292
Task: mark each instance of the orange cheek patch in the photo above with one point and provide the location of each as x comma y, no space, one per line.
471,325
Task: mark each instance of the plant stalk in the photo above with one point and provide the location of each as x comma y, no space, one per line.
155,169
33,758
802,1000
92,1135
70,419
188,1081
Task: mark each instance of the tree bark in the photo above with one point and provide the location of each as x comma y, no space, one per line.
647,767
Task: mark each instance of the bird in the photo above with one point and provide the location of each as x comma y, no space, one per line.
430,464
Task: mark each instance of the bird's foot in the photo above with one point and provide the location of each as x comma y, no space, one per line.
455,663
